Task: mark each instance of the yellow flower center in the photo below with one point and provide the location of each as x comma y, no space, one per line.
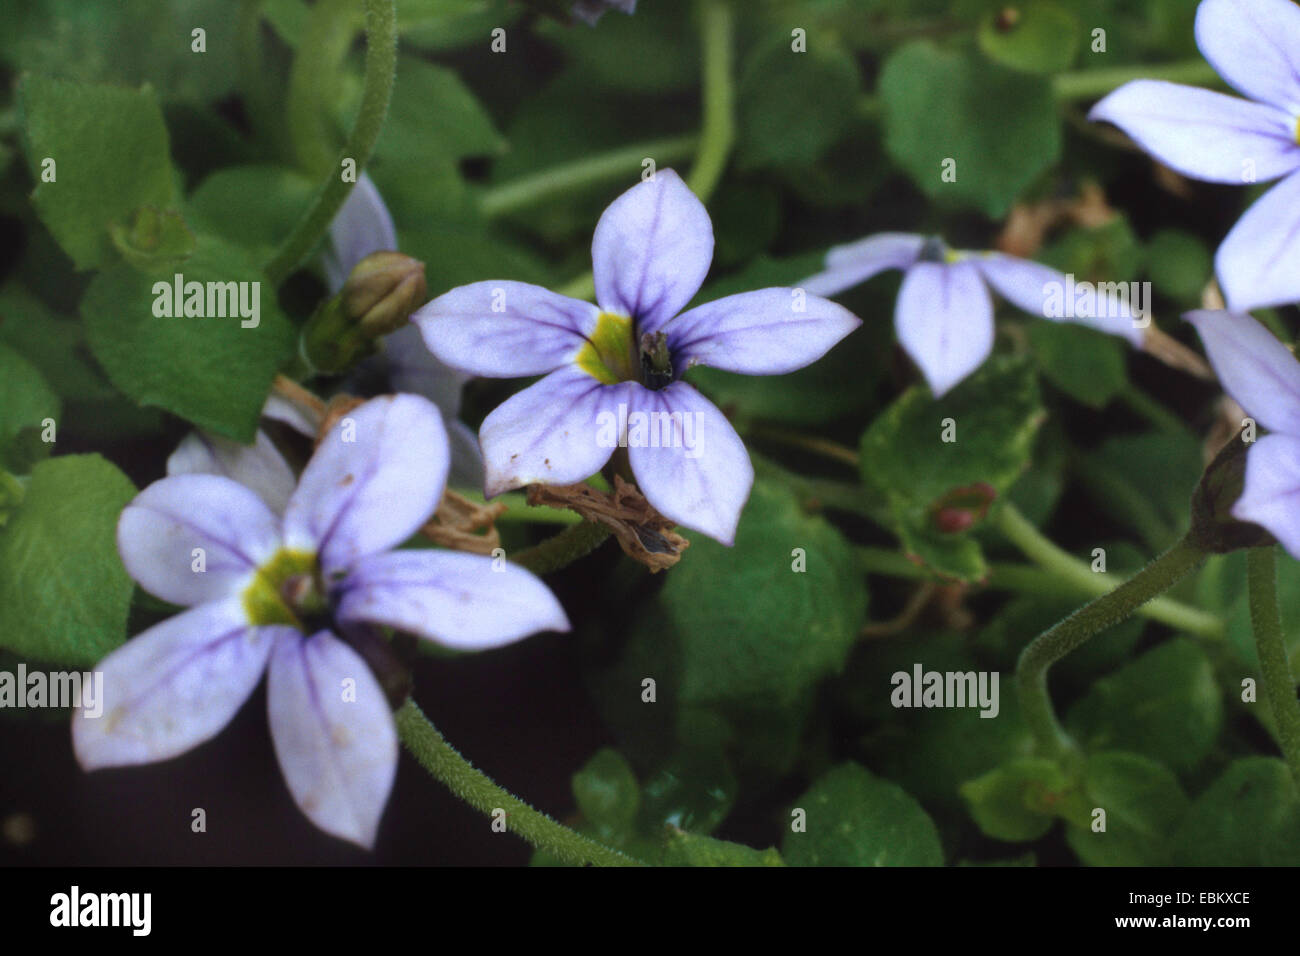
285,590
609,356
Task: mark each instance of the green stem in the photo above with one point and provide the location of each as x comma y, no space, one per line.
719,124
331,25
1101,613
1150,409
623,163
561,550
258,99
381,64
1275,670
1093,84
443,761
1017,529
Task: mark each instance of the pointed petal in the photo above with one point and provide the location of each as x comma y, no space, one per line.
1031,285
551,432
463,601
1255,263
651,250
362,225
505,329
852,264
259,467
334,734
1271,497
1255,46
374,479
159,532
767,332
1203,134
174,686
1254,367
944,320
688,461
280,409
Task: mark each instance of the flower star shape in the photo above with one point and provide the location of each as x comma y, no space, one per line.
282,594
1264,377
944,315
615,367
1255,46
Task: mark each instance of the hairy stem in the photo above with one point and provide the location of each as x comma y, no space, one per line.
1275,669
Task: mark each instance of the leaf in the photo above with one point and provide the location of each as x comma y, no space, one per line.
1144,804
644,53
999,126
109,148
1179,264
690,849
1038,37
1017,801
463,127
938,490
64,594
857,819
778,123
607,794
1087,365
211,370
1249,816
25,402
252,206
1165,705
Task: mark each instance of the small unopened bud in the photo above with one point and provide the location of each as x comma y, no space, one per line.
378,297
962,508
1214,528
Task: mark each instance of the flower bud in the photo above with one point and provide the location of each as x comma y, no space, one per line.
378,298
1213,526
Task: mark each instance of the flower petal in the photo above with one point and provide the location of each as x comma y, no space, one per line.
1203,134
852,264
688,461
374,479
651,250
551,432
1254,367
1256,261
362,225
944,321
1032,286
1271,496
766,332
505,329
259,467
1255,46
334,734
413,368
194,538
463,601
174,686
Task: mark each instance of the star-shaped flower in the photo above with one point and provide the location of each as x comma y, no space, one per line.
284,594
1264,377
1255,46
944,315
615,370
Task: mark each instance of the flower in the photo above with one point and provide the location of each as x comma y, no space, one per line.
284,594
944,315
1255,46
1264,377
364,226
615,371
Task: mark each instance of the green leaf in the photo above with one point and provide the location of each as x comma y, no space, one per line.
1144,804
155,239
937,490
1249,816
64,594
1017,802
1109,253
689,849
1165,705
210,370
607,794
1179,264
1087,365
463,126
639,54
999,126
693,790
854,818
253,206
778,123
25,402
1038,37
109,148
